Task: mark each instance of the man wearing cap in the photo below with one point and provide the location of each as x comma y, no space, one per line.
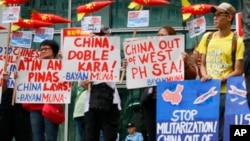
101,114
246,29
216,56
133,135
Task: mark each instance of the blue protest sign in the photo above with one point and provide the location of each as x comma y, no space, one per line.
188,110
236,109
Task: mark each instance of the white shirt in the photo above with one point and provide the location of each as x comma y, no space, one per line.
116,99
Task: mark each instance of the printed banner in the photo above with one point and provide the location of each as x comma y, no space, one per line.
93,58
196,27
21,39
153,59
138,18
188,110
12,60
237,111
10,14
38,82
43,33
91,24
1,78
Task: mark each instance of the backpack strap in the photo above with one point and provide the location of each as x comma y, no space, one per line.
209,37
234,47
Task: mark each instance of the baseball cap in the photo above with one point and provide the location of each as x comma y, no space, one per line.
224,7
130,125
104,30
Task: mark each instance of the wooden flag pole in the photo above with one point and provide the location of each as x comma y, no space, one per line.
14,90
124,69
7,48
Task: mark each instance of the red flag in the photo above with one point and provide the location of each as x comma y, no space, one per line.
27,23
2,27
82,10
12,2
197,9
138,3
50,18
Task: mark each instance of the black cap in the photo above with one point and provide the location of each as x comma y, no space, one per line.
130,125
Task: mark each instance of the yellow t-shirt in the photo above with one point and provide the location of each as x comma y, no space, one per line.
219,55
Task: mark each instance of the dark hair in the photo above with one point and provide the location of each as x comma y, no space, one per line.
53,44
104,30
170,29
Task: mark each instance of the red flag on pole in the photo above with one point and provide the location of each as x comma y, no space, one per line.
82,10
50,18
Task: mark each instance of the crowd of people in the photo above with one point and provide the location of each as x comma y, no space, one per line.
97,115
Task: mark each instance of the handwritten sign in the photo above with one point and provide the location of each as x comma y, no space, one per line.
91,24
188,110
10,14
38,82
154,59
138,18
237,111
93,58
12,60
196,26
43,33
21,39
1,78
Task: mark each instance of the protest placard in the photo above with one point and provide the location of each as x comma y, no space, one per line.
138,18
196,26
93,58
21,39
38,82
237,111
10,14
154,59
188,110
12,59
43,33
91,24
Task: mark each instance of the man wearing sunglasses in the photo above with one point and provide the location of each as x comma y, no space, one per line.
216,54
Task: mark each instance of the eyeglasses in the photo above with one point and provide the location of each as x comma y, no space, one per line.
44,49
217,15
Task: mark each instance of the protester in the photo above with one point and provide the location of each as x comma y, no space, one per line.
132,134
246,29
218,59
100,116
43,128
78,113
148,97
14,120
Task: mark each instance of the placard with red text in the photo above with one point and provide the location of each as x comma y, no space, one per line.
93,58
154,59
12,59
38,82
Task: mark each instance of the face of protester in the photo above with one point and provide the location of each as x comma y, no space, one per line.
46,52
131,130
162,32
221,19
